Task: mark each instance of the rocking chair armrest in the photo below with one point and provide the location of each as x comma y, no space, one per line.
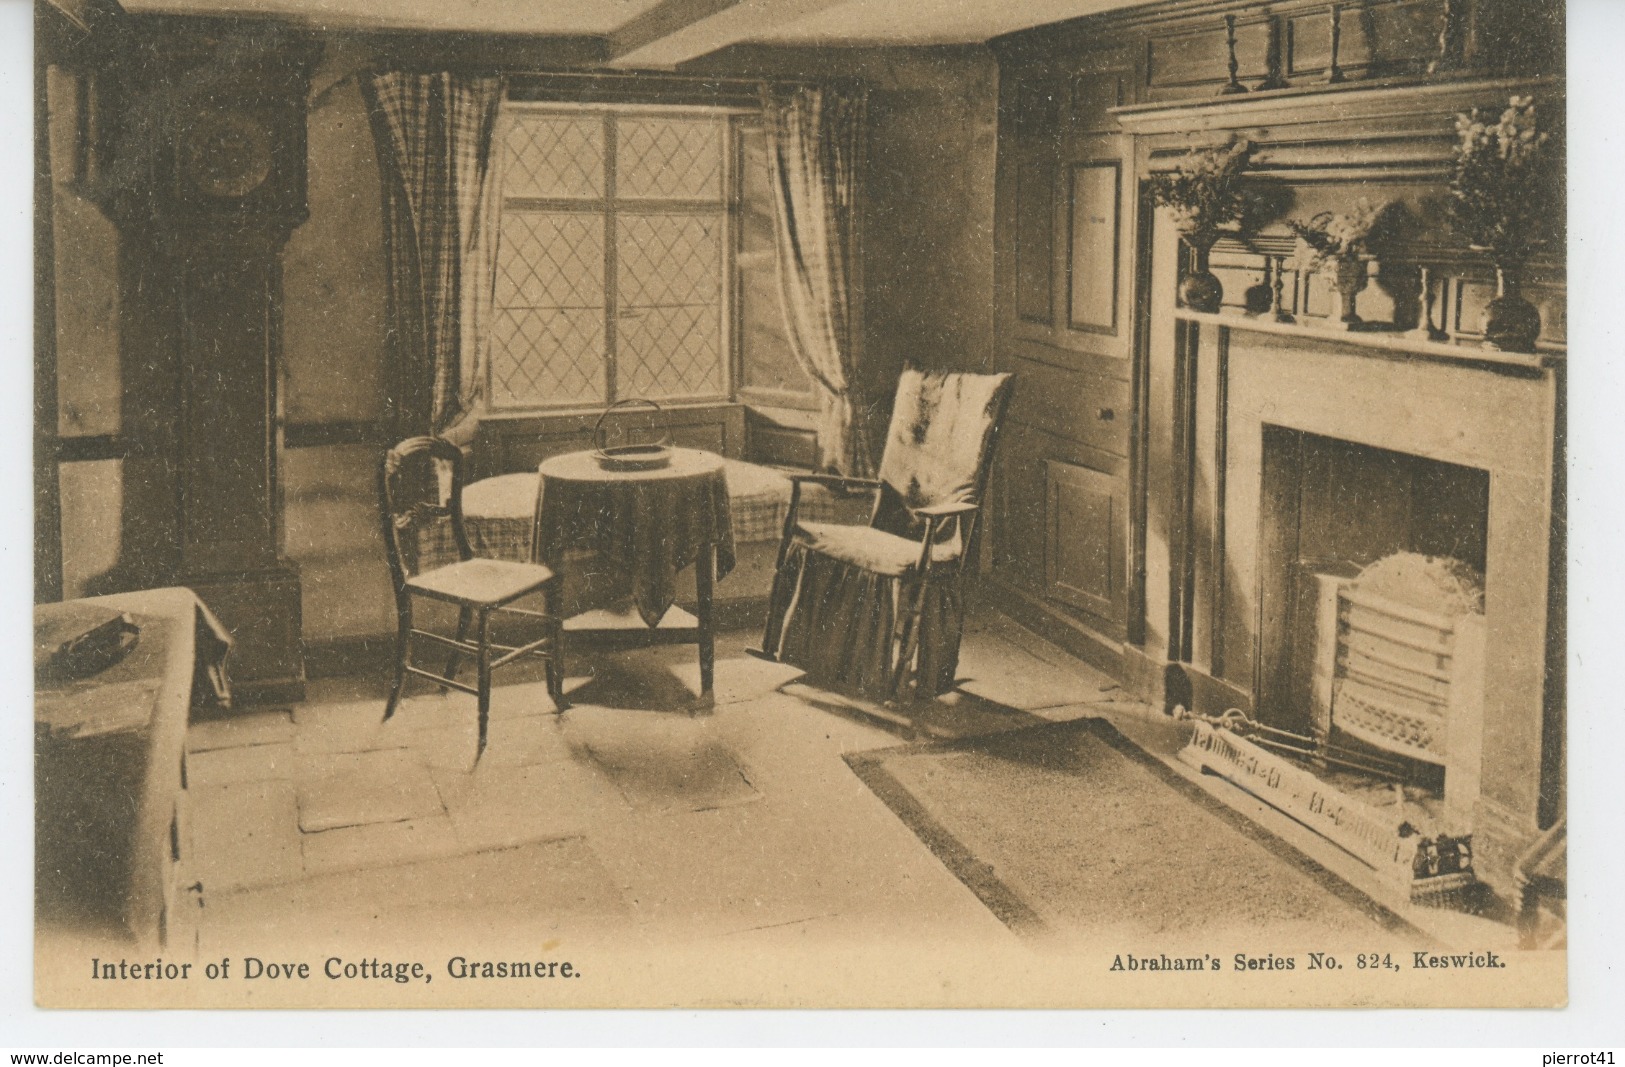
838,482
943,511
935,516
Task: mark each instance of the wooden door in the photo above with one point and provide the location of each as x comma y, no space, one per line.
1066,220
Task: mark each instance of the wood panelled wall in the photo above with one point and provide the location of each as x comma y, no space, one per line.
1071,314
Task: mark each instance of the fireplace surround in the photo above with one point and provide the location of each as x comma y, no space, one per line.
1462,448
1495,424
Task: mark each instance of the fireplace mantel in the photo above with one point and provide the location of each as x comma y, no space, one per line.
1327,140
1387,343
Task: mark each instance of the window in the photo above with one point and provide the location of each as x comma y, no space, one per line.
619,266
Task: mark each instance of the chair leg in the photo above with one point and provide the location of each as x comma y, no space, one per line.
773,627
463,618
939,642
403,652
483,685
911,642
555,654
783,600
926,667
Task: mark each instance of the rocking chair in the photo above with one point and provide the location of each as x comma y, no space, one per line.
878,608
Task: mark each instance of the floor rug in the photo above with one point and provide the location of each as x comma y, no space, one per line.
1068,830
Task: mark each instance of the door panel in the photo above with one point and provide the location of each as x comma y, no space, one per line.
1035,207
1065,220
1089,409
1084,540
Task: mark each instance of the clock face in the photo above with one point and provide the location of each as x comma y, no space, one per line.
227,154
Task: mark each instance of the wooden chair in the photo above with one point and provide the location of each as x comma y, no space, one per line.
420,482
874,608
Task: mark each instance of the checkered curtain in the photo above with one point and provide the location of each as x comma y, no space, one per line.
815,140
434,134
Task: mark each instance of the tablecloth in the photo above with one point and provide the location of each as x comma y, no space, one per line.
650,524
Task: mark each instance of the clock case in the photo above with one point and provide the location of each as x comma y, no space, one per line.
179,82
205,292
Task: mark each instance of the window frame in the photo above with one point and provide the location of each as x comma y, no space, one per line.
608,207
777,402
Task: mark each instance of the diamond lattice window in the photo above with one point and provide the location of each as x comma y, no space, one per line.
612,271
555,156
660,158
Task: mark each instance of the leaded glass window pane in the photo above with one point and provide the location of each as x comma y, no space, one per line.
550,259
670,327
670,259
547,357
555,156
660,158
547,338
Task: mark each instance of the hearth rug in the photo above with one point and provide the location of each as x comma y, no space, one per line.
1075,838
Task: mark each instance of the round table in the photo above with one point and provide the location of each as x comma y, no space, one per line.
649,524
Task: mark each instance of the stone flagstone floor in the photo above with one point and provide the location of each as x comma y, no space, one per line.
625,815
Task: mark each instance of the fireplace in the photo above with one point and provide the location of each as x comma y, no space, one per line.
1310,458
1402,667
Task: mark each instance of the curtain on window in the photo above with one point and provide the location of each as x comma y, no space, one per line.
434,134
815,139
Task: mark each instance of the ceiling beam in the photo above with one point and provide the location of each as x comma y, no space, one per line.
665,18
676,31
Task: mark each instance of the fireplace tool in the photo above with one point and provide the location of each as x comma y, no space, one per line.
1316,750
1428,867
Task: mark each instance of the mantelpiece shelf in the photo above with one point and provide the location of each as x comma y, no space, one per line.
1382,341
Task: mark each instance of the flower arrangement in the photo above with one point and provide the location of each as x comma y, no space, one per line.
1204,192
1502,193
1329,240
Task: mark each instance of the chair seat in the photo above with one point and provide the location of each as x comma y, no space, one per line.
875,551
481,582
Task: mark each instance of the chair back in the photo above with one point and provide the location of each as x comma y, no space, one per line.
420,485
939,447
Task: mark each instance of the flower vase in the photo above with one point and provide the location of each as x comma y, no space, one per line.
1511,323
1200,289
1349,279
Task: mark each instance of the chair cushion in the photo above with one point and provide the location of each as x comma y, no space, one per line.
869,549
481,581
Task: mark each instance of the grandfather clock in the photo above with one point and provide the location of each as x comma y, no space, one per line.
228,188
